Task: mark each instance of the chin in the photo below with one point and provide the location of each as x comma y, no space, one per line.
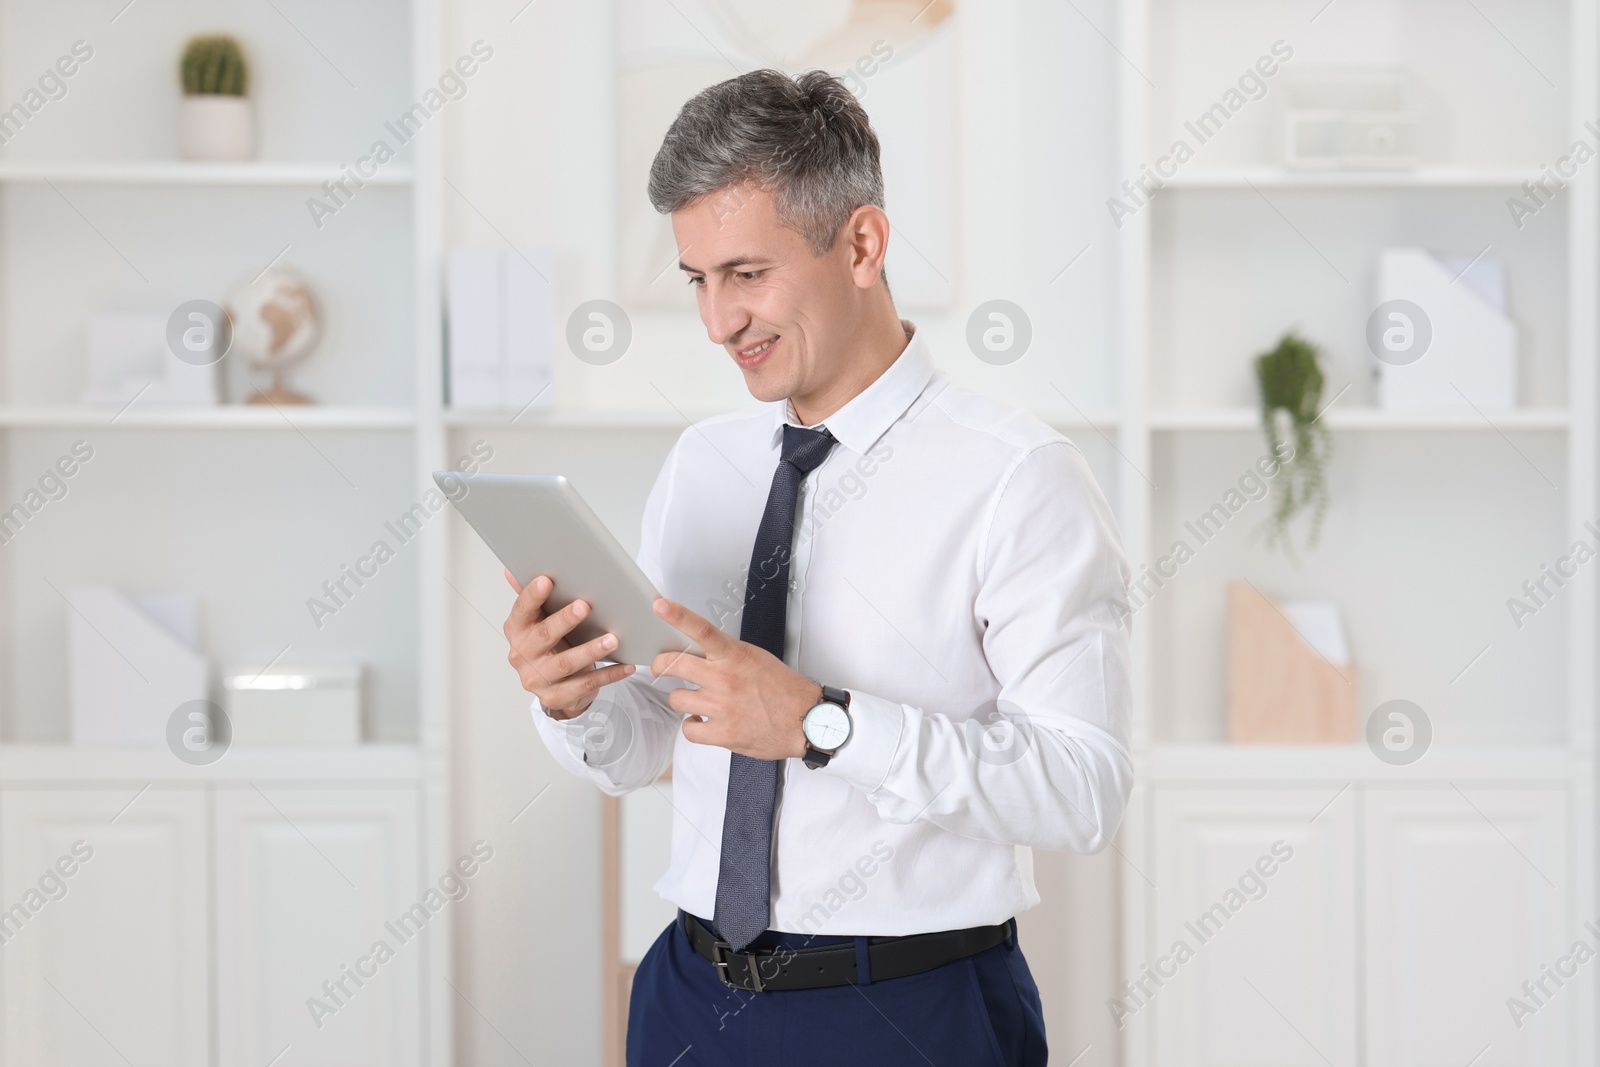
767,387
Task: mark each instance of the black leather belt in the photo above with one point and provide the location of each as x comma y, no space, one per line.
832,965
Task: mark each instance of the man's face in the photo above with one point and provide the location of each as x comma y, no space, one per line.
776,307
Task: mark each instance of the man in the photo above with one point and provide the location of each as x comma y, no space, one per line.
929,677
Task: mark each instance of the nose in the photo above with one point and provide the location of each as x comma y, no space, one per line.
720,311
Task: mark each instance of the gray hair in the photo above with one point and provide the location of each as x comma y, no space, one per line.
806,140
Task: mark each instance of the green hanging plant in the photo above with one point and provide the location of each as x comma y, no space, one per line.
214,65
1291,381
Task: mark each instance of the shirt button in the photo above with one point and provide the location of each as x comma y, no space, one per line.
794,583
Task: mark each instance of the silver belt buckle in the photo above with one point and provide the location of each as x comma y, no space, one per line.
719,950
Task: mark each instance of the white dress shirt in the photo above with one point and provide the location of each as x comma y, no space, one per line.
957,569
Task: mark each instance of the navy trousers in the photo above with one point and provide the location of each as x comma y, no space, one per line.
982,1011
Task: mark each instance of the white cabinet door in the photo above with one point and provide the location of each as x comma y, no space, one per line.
319,908
107,964
1467,898
1251,956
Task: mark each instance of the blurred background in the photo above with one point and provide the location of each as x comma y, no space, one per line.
270,793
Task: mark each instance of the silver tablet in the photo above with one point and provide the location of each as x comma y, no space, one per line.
538,524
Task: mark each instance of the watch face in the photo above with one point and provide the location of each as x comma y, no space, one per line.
827,726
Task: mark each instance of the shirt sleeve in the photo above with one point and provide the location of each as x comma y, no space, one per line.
624,740
1049,766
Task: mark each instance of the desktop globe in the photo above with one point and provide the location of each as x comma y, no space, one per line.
275,325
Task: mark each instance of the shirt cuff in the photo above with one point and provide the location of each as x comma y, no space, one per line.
875,728
563,736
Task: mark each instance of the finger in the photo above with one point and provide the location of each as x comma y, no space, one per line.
527,609
531,641
690,702
534,640
573,660
573,689
701,733
708,637
685,665
513,580
552,628
528,669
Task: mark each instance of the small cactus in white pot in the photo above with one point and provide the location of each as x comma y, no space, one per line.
215,121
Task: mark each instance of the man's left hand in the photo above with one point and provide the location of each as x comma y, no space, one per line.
749,700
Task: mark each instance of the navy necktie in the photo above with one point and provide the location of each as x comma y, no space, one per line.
744,886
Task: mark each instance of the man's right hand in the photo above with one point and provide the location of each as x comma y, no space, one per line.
563,677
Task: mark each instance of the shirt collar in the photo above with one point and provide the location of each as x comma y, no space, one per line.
869,413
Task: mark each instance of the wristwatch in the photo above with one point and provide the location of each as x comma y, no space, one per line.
826,726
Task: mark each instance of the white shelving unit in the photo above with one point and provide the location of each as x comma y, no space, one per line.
1433,520
1335,418
246,507
1421,178
180,173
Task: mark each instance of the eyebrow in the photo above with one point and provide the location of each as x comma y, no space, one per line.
737,261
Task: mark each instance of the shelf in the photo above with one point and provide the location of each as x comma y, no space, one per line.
1340,764
664,419
1423,178
600,418
1234,419
172,172
1554,419
68,764
221,416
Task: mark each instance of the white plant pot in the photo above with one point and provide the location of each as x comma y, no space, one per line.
216,128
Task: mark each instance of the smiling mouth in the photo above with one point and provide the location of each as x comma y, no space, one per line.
749,357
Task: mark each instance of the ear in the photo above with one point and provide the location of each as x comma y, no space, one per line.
865,239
